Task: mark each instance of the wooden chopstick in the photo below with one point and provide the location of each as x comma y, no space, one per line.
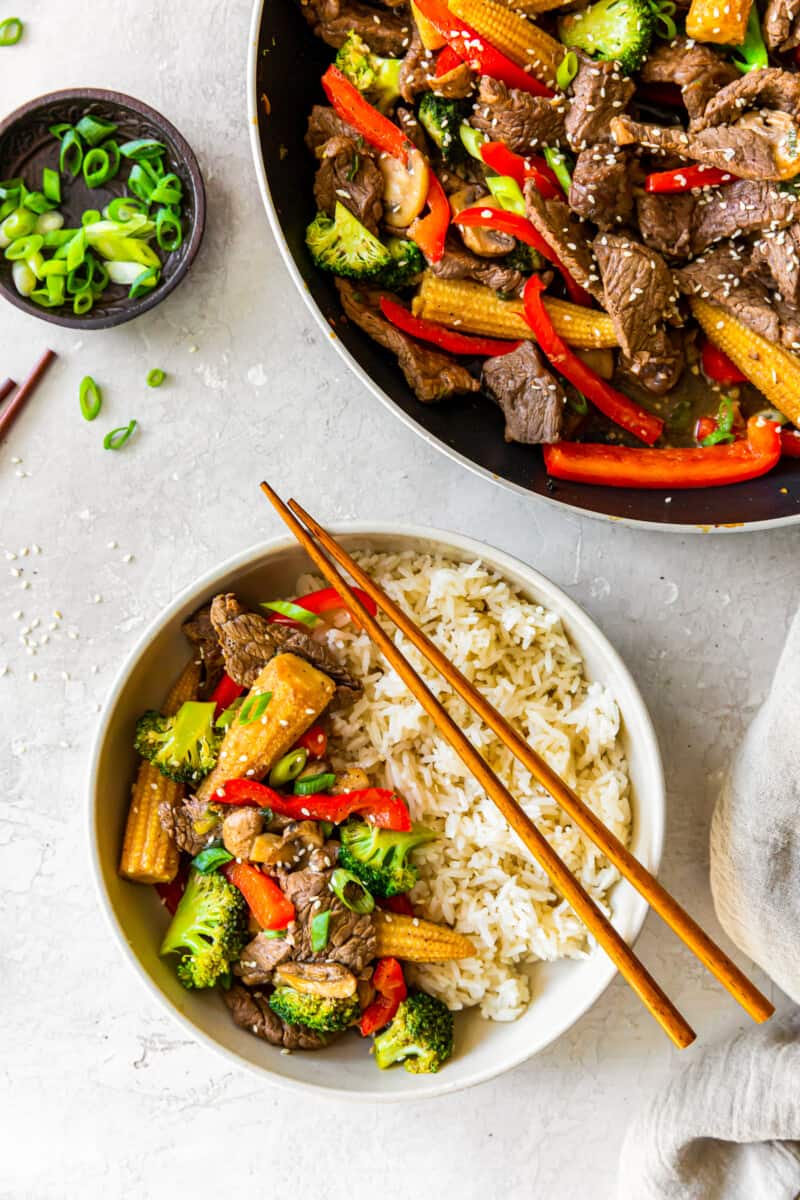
595,921
26,390
709,953
6,387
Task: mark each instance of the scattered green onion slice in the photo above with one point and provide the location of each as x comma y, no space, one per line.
37,202
142,149
229,715
10,31
567,70
82,275
663,12
508,192
93,130
70,157
254,708
309,785
55,289
19,224
169,231
82,302
76,250
168,190
273,933
24,278
49,222
288,768
122,208
117,438
155,378
58,131
24,247
55,266
578,404
90,397
51,185
90,216
293,611
114,158
724,430
144,283
96,167
141,182
472,140
211,859
351,891
558,163
320,926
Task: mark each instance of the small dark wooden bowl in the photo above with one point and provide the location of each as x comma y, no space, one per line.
26,147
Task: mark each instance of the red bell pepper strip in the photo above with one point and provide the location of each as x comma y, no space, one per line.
170,893
617,407
373,126
673,468
447,61
324,601
397,904
314,740
379,806
266,901
475,50
484,216
440,335
718,367
224,694
790,443
430,231
704,428
668,94
498,156
390,984
683,179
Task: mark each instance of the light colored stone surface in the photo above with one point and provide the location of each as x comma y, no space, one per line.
102,1096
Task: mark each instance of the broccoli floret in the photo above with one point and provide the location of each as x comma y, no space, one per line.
183,747
208,930
378,78
420,1036
407,263
442,121
378,857
611,29
322,1013
343,245
523,258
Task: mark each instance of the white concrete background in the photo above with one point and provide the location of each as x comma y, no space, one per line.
102,1096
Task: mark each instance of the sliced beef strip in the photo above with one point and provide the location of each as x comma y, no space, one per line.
260,957
459,263
664,366
639,294
598,93
522,121
351,936
407,120
201,633
324,124
250,1010
698,70
769,88
431,374
778,255
417,69
179,822
602,186
531,398
781,24
684,225
386,33
345,174
567,235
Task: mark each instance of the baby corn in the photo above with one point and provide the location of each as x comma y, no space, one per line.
774,371
722,21
533,7
148,853
416,940
473,308
514,35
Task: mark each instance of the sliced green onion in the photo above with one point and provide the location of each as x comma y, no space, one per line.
24,247
142,149
230,714
90,398
472,140
558,163
90,217
96,167
155,378
37,202
81,276
288,768
114,158
267,814
100,280
663,11
168,191
578,404
10,31
507,191
351,891
58,131
294,611
273,933
141,182
309,785
54,267
93,130
49,222
145,282
567,70
752,54
117,438
124,273
19,224
70,157
122,208
211,859
724,430
83,302
24,278
76,250
320,926
169,231
56,238
55,289
254,707
51,185
43,298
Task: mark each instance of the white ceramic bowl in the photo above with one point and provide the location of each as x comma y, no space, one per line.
562,992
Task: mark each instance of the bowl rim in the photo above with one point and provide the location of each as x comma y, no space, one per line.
366,379
193,242
503,562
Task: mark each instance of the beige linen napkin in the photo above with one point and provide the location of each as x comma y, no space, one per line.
728,1127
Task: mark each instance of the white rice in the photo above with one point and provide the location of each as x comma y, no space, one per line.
478,877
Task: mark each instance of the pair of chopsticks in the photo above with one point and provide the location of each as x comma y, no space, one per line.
26,389
319,544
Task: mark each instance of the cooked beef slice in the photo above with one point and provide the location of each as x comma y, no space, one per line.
778,255
601,189
430,374
351,936
324,123
566,234
698,70
522,121
345,174
239,829
180,821
531,398
639,294
684,225
260,957
770,88
418,67
719,276
459,263
664,365
201,633
406,118
781,24
386,33
251,1011
666,221
598,93
753,148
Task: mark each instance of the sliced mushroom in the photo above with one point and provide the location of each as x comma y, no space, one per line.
267,848
240,829
480,241
354,779
404,188
299,839
366,993
318,978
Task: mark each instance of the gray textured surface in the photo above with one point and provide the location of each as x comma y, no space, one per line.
102,1097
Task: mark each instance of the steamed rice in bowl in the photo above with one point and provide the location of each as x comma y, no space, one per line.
478,876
